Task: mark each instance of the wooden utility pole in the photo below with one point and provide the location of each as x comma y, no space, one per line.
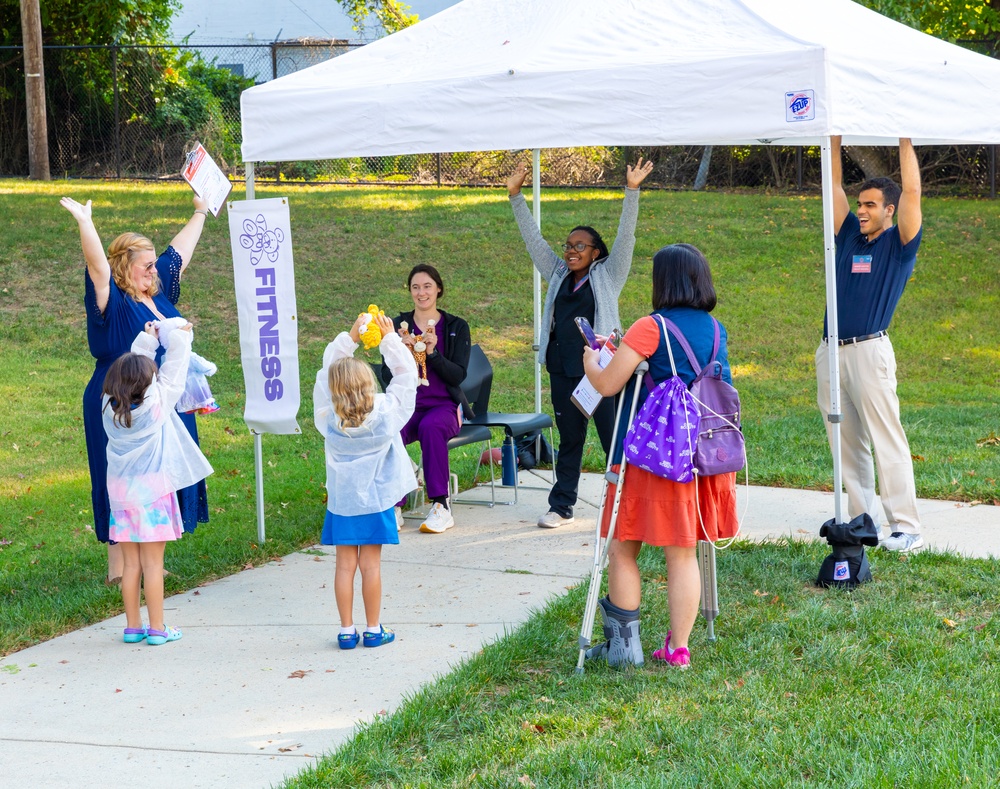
34,84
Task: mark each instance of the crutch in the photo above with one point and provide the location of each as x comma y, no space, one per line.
601,544
709,586
707,567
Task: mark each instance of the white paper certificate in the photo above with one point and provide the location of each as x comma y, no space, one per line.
205,177
585,396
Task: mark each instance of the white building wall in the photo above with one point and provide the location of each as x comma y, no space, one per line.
249,21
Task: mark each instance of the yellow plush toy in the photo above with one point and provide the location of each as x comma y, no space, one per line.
371,334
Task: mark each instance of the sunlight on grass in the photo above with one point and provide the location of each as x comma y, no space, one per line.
745,370
984,354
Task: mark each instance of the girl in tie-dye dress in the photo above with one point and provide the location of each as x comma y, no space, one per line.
150,457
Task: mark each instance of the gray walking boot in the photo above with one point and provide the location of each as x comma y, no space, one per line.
621,628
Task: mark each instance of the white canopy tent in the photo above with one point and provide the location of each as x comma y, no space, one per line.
531,74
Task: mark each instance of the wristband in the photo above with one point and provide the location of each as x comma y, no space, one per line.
201,211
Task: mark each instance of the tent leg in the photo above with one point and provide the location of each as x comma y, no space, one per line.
536,201
258,447
829,245
258,466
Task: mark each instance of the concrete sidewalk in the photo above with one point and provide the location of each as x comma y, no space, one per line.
257,688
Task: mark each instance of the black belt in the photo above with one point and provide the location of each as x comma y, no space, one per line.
862,338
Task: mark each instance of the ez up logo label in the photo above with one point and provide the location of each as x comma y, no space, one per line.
800,105
841,571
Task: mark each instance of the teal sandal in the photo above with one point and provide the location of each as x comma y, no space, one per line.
156,637
133,635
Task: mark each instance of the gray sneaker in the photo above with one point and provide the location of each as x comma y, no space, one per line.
901,542
552,520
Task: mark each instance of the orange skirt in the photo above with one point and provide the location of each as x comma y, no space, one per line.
658,511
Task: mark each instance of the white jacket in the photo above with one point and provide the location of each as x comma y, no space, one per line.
367,468
156,455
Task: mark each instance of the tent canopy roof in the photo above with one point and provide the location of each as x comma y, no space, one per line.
515,74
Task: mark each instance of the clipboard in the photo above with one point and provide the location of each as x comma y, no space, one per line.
585,396
206,179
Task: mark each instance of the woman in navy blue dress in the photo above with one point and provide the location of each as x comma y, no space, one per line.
125,288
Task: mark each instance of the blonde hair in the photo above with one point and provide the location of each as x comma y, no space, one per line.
352,389
122,254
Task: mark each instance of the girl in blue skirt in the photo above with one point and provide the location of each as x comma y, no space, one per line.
367,468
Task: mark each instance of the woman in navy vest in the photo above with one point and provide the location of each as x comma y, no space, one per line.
584,282
655,510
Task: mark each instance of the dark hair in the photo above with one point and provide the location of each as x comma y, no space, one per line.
602,248
126,382
890,190
430,271
681,278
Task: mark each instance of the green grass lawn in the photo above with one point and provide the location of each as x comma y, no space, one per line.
354,246
893,685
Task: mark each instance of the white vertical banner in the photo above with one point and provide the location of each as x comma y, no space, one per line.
264,275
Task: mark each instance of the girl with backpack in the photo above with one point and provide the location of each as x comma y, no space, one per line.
655,510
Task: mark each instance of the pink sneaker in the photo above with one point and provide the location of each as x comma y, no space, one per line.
680,657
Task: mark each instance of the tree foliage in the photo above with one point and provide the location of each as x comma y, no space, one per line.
975,23
79,22
389,14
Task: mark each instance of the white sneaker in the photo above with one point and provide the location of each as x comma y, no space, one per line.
552,519
399,518
901,542
439,520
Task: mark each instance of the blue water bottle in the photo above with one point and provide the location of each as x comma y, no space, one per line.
508,464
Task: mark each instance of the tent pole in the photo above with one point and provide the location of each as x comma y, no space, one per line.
833,332
258,445
536,205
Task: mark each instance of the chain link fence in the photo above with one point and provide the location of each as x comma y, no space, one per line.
134,111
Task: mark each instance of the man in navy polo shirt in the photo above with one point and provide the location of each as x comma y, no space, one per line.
874,261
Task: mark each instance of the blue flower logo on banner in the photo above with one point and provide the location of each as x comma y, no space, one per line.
259,240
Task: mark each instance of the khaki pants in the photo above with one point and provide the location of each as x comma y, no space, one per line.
870,411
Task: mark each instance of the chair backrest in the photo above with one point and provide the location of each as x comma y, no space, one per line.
477,384
478,381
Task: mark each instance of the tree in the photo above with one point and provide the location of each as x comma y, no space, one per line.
34,88
78,22
390,14
972,23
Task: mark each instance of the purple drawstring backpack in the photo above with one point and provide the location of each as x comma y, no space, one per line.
663,434
708,443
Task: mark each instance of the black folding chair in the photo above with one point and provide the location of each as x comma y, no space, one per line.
513,425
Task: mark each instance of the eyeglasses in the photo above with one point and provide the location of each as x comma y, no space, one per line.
579,246
147,266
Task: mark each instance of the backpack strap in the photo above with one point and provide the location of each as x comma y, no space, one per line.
663,323
699,372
